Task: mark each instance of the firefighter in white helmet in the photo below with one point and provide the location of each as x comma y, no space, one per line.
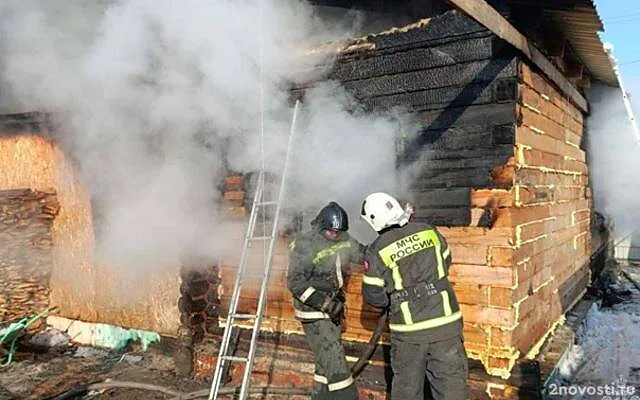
406,270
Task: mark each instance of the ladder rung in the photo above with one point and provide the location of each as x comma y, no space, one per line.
234,358
257,208
244,316
261,238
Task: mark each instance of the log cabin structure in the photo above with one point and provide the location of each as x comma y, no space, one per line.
499,164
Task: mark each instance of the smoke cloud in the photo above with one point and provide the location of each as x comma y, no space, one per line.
157,99
614,157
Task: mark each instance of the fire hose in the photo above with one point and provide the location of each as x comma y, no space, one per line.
14,330
356,370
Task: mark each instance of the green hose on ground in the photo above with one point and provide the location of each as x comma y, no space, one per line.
14,330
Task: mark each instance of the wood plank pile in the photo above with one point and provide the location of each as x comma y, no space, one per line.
497,164
26,257
30,160
80,287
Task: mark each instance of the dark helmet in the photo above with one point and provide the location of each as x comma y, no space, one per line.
331,217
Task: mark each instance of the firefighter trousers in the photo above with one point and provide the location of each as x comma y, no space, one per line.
443,363
332,379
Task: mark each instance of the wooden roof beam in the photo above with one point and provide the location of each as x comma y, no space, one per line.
486,15
575,69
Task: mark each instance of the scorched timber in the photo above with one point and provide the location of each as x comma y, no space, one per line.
457,148
457,162
440,98
460,138
467,117
502,152
489,17
454,75
384,62
460,177
496,146
446,28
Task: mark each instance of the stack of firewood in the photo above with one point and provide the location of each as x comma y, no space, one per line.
26,257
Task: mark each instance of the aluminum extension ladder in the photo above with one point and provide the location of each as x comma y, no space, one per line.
259,204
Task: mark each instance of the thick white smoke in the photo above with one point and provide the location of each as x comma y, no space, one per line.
614,158
157,98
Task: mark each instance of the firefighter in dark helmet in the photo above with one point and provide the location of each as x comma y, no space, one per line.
318,263
406,270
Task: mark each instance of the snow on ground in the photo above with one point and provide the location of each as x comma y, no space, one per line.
607,352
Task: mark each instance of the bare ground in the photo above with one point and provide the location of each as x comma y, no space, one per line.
44,375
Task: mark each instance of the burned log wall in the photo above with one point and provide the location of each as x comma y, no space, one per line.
497,164
460,85
498,149
458,82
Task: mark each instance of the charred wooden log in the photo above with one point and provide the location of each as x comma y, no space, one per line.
212,299
394,61
497,146
190,306
191,320
468,117
194,289
21,122
440,98
199,301
454,75
198,334
211,325
446,28
460,83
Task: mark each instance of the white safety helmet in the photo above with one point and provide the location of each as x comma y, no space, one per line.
382,210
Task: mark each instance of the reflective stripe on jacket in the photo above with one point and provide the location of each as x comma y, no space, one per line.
318,265
411,257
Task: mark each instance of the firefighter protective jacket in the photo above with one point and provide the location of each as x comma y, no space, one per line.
406,270
317,267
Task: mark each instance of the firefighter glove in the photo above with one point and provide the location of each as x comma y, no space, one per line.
334,307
